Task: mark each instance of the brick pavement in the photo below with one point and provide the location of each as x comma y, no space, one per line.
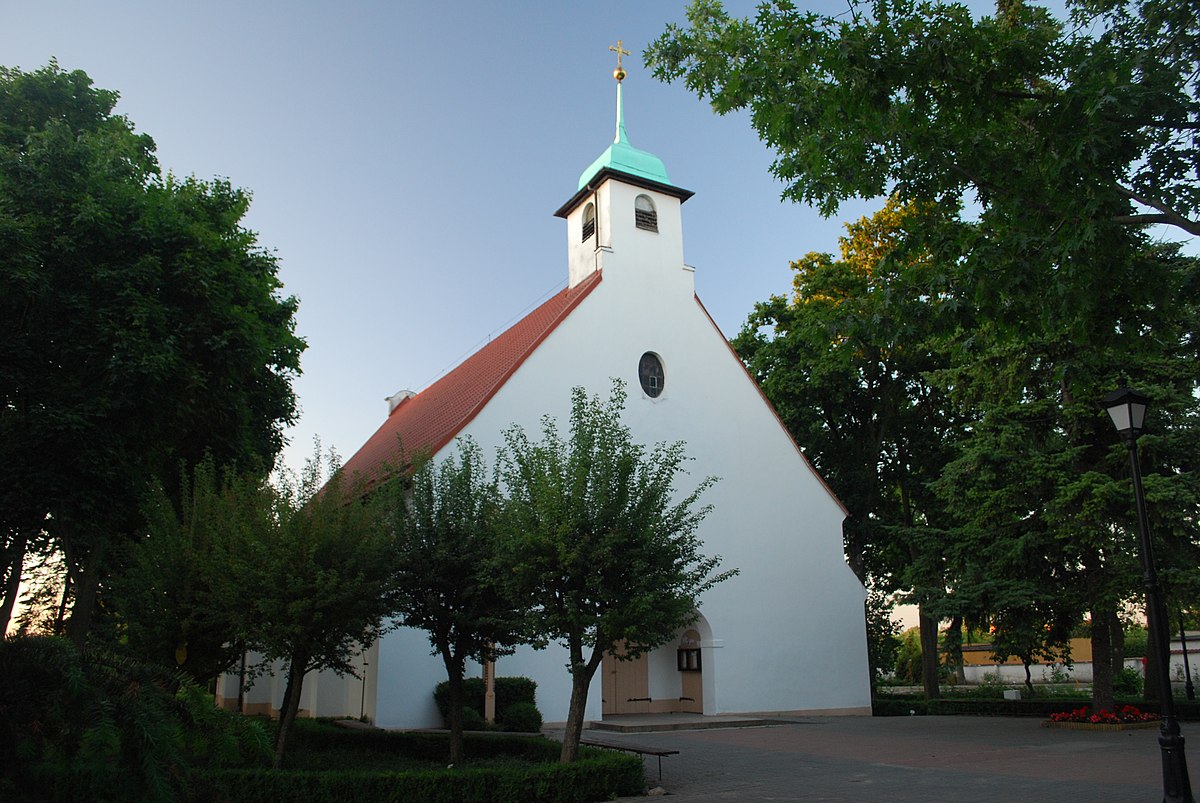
906,759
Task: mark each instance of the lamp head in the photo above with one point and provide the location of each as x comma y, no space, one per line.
1127,409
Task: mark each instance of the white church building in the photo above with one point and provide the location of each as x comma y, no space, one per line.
787,634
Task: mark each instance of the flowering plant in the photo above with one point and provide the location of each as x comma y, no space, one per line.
1126,713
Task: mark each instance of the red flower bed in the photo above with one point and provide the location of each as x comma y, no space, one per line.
1124,714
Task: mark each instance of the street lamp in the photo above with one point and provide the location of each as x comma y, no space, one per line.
1127,409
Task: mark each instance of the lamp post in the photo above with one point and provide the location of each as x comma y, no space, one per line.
1127,409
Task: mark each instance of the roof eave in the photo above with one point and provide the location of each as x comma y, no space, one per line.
606,173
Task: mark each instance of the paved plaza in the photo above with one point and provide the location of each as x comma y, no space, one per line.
904,759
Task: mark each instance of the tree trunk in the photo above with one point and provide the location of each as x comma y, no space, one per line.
454,715
929,654
581,679
954,642
1102,661
12,580
86,589
1028,677
291,704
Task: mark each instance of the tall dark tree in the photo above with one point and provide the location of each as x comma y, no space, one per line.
1060,143
142,326
599,542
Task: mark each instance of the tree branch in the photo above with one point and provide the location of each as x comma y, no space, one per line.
1168,216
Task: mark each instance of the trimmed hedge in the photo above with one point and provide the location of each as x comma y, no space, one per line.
598,775
918,706
509,691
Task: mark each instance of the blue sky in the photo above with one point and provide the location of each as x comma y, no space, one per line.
406,158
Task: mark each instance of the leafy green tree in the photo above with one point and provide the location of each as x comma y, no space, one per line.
599,542
883,639
314,568
1060,143
142,325
169,589
1056,130
449,581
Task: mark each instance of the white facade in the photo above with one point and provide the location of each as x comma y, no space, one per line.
786,634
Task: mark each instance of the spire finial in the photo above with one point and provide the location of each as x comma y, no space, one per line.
619,73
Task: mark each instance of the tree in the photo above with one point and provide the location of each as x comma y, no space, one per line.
1055,130
1060,144
169,589
321,566
449,581
599,542
142,327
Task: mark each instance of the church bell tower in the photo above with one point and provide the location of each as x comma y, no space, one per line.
624,218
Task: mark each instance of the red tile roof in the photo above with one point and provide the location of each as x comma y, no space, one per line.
431,419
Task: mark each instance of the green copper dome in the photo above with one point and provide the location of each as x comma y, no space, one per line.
624,157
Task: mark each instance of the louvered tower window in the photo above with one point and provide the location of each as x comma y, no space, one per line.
644,213
589,221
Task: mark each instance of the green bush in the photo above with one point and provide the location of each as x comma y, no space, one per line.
509,691
522,718
526,769
473,720
99,726
1127,682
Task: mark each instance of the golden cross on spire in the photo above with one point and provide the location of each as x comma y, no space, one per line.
619,73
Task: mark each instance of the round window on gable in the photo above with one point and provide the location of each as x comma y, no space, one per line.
589,221
650,375
644,213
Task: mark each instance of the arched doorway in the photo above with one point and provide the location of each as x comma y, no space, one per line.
669,679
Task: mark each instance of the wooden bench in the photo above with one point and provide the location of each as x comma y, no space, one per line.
630,748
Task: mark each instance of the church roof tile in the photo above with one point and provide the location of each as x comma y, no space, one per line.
433,417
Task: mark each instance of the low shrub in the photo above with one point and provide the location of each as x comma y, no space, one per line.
522,718
95,725
523,769
509,692
1127,682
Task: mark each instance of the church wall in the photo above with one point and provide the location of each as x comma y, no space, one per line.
788,632
548,668
407,676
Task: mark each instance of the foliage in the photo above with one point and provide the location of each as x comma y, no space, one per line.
1048,147
143,327
908,656
509,691
1128,682
501,769
169,589
844,360
883,642
98,726
1053,128
600,544
522,718
322,565
1136,638
448,579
